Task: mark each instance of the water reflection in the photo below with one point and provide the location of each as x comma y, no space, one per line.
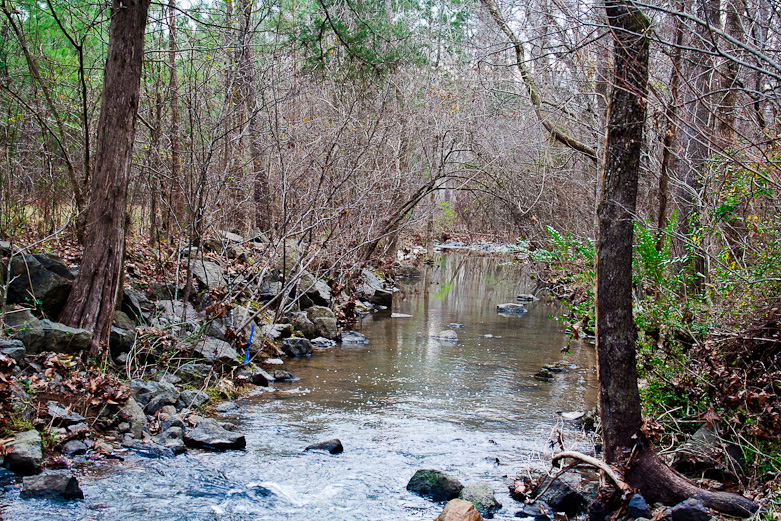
403,402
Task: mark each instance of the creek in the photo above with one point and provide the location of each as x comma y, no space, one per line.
405,401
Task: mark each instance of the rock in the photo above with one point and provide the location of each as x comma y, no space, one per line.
544,374
149,450
212,244
215,350
194,374
176,311
51,486
161,400
208,434
74,448
208,274
172,438
526,297
333,446
61,416
561,497
277,331
135,304
459,510
511,308
638,507
288,256
13,349
447,335
294,347
301,322
168,378
690,510
53,336
24,453
255,375
173,420
481,495
353,337
374,290
455,325
408,271
103,447
704,451
323,343
230,237
316,290
319,312
18,319
160,291
191,399
435,485
41,279
326,327
539,510
121,341
226,407
122,321
280,375
132,413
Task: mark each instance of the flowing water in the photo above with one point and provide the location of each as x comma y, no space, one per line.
403,402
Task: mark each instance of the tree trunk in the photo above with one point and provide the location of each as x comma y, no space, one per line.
92,299
175,213
625,445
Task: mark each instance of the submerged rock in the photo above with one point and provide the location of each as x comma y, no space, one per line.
208,434
435,485
447,335
354,337
511,308
561,497
526,297
51,486
333,446
459,510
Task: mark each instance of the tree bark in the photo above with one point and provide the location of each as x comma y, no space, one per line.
92,299
625,445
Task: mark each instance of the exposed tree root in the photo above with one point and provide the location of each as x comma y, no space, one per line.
658,482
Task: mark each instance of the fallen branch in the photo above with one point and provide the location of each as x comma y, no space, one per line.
612,473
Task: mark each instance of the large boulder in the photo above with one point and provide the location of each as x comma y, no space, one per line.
208,274
326,327
218,351
45,335
435,485
121,340
39,280
459,510
51,486
481,495
373,289
301,323
294,347
24,453
314,289
210,435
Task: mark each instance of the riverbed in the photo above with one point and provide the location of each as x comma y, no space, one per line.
403,402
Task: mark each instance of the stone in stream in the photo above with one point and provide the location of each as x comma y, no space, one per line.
435,485
459,510
447,336
481,495
455,325
172,438
354,337
294,347
51,486
333,446
208,434
539,510
511,308
526,297
560,496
